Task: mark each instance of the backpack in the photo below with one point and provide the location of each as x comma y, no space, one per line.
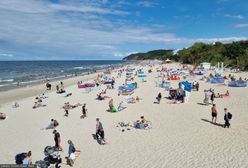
229,115
19,158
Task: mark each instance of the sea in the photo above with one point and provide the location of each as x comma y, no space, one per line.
23,73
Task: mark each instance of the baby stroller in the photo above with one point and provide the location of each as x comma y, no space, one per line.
52,157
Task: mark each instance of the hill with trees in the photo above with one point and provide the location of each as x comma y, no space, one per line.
233,54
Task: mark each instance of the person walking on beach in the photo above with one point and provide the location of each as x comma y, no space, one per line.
159,97
227,118
57,140
214,113
99,131
71,153
84,110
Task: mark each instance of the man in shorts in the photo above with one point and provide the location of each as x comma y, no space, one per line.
214,113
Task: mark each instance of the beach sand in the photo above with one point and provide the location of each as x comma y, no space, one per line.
182,135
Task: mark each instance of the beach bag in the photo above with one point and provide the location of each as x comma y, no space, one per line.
19,158
229,115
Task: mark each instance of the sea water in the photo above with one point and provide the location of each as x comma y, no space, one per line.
22,73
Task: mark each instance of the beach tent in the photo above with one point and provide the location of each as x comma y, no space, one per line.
238,83
187,85
216,80
168,61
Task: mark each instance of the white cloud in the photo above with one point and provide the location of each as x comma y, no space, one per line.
124,54
146,4
234,16
241,25
6,55
86,9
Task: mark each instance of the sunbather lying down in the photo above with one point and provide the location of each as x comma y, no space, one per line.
67,105
100,97
3,116
129,99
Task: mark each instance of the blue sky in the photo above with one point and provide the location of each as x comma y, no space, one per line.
112,29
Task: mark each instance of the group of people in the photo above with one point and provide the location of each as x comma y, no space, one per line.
227,116
68,106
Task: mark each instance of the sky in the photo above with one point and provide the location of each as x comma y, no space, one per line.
112,29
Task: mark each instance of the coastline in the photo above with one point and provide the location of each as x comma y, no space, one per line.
19,93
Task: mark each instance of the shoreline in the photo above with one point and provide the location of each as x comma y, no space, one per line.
19,93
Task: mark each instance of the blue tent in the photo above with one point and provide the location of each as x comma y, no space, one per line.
216,80
187,85
238,83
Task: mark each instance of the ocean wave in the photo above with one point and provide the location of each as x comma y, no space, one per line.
80,68
6,80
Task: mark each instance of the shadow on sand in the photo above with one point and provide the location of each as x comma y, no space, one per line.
217,124
203,104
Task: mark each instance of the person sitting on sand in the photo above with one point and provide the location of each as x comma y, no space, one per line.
42,96
37,103
111,103
48,85
138,99
23,157
53,124
27,158
142,123
2,116
15,105
227,93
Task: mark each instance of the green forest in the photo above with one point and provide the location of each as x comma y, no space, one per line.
233,54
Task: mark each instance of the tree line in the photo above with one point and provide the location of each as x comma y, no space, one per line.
233,54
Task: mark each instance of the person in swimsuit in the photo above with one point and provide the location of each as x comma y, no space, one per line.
214,113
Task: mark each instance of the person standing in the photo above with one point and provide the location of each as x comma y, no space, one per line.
159,97
212,97
84,111
99,131
197,85
227,118
57,140
214,113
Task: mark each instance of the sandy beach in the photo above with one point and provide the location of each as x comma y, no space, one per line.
182,134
